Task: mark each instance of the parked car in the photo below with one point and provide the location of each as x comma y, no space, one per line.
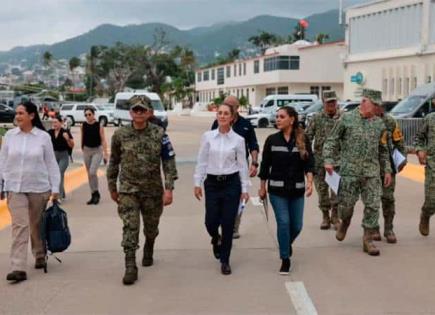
271,103
418,104
315,107
7,114
74,113
348,106
268,119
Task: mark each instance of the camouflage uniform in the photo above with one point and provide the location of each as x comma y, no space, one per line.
363,147
395,141
425,141
318,130
136,157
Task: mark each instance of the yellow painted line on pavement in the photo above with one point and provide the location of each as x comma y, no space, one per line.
413,172
73,180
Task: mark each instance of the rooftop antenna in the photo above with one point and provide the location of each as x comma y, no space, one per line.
340,12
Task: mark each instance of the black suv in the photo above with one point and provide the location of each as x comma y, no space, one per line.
7,114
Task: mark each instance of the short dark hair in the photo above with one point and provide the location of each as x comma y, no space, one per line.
89,108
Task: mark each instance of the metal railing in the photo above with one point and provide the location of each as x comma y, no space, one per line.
410,127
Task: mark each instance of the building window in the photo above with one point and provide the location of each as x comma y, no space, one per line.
281,63
199,78
220,76
406,87
244,68
270,91
240,69
256,66
414,83
235,70
384,86
213,75
228,71
247,95
314,90
399,86
206,75
238,93
429,79
326,88
283,90
392,85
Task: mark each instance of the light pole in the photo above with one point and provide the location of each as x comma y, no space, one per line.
340,12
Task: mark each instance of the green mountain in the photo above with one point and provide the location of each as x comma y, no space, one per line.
207,42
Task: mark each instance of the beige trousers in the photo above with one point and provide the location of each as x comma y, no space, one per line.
26,210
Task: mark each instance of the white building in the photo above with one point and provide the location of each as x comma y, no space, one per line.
391,47
301,67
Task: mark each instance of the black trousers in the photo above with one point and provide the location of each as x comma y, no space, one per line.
222,199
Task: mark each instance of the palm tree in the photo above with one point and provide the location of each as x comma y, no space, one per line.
47,58
264,40
321,38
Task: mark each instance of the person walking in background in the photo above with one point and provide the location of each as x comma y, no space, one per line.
94,147
30,174
45,112
138,151
222,163
287,160
395,142
63,143
425,147
318,130
361,138
243,128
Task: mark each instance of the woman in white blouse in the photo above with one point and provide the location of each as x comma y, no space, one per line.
222,163
29,174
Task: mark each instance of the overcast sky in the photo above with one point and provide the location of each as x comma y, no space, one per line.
29,22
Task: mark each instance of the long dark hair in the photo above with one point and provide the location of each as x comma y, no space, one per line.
297,131
33,109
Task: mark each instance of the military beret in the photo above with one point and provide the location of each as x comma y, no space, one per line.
140,101
329,96
373,95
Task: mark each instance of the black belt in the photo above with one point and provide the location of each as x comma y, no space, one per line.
222,178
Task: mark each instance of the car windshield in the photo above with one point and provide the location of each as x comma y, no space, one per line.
101,107
409,104
315,107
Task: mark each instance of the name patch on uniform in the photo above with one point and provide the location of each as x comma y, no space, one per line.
300,185
276,183
276,148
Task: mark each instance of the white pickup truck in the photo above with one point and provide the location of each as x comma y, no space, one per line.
75,113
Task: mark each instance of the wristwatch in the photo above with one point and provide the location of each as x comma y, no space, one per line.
255,163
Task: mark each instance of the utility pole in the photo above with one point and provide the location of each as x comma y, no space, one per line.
340,12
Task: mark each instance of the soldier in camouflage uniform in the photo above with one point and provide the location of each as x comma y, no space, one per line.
395,141
362,139
318,130
138,151
425,147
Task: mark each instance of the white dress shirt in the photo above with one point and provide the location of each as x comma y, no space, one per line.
222,154
27,162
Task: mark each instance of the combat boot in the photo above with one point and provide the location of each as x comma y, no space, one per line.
342,230
388,230
130,275
148,251
368,245
326,222
424,224
334,218
376,235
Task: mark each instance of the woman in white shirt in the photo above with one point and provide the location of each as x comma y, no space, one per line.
29,174
222,163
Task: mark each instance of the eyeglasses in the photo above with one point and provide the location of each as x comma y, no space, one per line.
138,110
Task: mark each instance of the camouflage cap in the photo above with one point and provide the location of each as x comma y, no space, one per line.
373,95
140,101
329,96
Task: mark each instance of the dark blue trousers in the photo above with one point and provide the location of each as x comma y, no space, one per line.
222,199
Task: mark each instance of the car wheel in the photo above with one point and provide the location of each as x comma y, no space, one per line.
71,121
103,121
263,123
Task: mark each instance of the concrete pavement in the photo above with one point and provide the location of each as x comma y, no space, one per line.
339,277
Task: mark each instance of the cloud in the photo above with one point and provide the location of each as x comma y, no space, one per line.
30,22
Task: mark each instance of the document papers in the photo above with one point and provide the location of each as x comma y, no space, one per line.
398,159
333,181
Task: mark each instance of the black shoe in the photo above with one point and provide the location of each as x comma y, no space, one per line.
91,201
16,276
148,250
225,269
216,242
285,267
130,276
97,198
40,263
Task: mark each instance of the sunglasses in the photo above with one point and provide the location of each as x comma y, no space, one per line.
139,110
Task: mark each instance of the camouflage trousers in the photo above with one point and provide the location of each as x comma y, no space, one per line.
327,198
370,190
130,207
388,201
429,192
